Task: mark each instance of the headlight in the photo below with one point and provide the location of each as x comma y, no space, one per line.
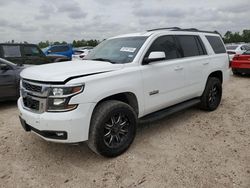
59,98
64,91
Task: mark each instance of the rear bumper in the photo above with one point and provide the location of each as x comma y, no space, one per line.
239,70
72,127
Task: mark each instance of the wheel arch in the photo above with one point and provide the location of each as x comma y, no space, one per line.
217,74
126,97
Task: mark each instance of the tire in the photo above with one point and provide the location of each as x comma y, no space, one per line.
235,72
112,128
211,96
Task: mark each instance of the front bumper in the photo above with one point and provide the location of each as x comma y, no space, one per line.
74,124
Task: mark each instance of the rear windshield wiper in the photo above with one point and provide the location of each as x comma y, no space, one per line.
103,59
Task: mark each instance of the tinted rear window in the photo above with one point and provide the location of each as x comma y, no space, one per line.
189,45
216,44
11,51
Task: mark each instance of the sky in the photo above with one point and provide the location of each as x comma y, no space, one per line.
67,20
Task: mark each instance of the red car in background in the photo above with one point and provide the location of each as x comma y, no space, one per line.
241,63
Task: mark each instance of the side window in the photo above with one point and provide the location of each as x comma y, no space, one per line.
216,44
31,51
242,48
166,44
59,48
189,45
11,51
246,47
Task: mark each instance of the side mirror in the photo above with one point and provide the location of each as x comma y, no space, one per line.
154,56
4,67
49,51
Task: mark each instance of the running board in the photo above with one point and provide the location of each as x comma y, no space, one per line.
155,116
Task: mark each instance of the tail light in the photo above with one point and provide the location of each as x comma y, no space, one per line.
236,57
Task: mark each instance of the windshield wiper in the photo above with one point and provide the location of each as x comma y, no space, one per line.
103,59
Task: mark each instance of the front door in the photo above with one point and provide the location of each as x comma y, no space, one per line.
164,81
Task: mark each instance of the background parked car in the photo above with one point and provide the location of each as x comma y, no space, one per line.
9,80
27,54
62,49
241,63
80,53
233,49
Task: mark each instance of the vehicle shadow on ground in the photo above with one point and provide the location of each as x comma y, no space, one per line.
7,104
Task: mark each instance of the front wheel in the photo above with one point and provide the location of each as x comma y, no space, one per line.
112,129
211,96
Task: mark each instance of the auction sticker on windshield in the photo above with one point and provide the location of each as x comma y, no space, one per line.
127,49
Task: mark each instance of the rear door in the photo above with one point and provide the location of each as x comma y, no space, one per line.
196,61
7,82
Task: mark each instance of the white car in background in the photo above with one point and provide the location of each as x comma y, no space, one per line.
80,53
234,49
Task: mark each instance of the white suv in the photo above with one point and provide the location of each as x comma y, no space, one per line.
125,80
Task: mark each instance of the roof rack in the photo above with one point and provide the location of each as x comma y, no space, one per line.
187,29
164,28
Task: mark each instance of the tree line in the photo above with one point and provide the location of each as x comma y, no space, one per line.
229,37
75,43
234,37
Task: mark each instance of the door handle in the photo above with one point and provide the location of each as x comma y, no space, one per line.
205,63
178,68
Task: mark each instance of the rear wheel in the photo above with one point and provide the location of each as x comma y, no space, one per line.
113,128
235,72
211,96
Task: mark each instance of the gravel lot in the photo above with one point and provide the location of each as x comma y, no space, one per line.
189,149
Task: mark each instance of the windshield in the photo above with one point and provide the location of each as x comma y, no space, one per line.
231,47
118,50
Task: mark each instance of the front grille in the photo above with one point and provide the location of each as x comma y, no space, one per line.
31,103
32,87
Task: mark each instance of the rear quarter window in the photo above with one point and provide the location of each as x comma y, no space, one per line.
217,44
11,51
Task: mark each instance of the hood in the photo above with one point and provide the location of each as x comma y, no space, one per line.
62,72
